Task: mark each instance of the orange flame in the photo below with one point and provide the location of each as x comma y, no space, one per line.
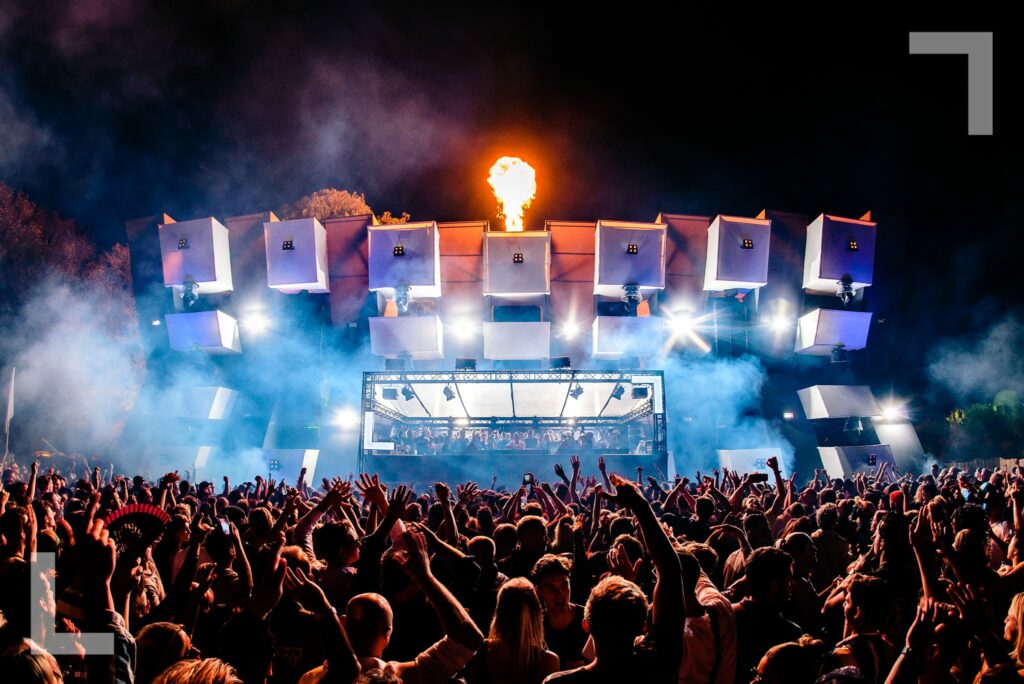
515,185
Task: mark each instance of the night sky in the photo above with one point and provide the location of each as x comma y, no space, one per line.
119,109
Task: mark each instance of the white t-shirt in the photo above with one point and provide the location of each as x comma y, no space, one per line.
699,655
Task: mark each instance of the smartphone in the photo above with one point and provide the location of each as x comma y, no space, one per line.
225,527
528,479
759,477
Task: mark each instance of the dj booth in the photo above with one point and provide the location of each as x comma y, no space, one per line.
425,426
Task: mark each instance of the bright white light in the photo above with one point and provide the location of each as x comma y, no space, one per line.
681,324
346,419
780,324
255,322
156,322
462,422
788,415
571,421
463,329
570,330
892,411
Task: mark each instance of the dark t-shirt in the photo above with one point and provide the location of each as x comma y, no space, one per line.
758,628
655,659
568,642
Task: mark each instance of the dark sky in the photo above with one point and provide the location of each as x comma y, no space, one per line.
115,109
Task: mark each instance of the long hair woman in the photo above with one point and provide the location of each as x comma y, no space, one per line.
514,651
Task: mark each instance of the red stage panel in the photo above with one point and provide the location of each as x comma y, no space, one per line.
462,238
461,299
572,237
573,267
573,301
461,269
347,298
346,246
685,256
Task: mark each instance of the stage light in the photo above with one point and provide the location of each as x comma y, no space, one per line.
571,420
255,322
618,392
780,324
189,293
560,363
462,422
463,329
788,415
570,330
399,250
844,290
633,248
183,243
840,354
346,419
576,392
408,393
641,392
155,322
852,246
389,393
287,246
681,324
465,364
747,243
871,460
517,258
402,297
448,393
631,297
274,465
892,411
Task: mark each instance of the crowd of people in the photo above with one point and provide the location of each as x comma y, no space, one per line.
425,441
592,577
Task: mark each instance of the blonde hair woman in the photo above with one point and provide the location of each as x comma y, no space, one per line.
514,651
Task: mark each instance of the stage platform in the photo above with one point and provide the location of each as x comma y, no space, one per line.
424,426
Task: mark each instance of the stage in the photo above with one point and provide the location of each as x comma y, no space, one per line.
422,426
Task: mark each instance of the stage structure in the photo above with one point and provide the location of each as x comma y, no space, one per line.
475,424
271,310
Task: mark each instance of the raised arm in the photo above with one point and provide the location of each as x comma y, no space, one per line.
668,590
455,621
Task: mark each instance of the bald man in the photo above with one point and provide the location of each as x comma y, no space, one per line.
368,621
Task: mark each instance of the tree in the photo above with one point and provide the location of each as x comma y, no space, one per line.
69,324
331,202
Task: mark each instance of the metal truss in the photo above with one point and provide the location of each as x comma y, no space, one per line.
503,376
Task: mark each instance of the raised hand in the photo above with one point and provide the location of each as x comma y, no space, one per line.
443,492
415,560
627,493
308,592
618,563
98,556
601,465
559,470
371,489
574,461
268,591
398,501
773,462
467,493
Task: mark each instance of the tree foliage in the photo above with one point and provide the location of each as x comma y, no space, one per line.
331,202
985,431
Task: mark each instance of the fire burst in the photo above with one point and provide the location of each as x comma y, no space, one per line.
515,185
